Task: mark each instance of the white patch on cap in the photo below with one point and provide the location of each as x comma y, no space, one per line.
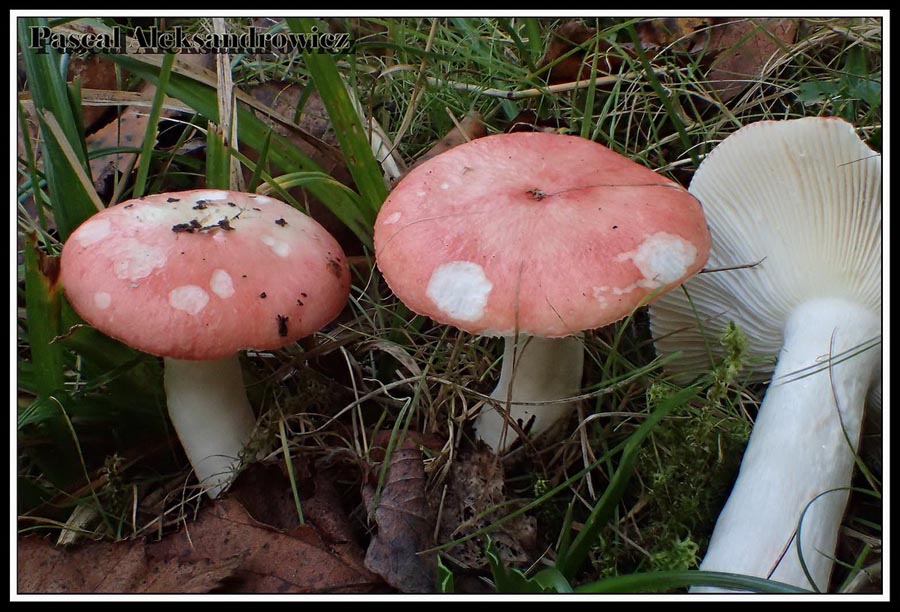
93,231
600,294
445,185
420,193
210,195
189,298
221,284
156,215
392,218
264,199
662,258
460,290
136,260
102,300
282,249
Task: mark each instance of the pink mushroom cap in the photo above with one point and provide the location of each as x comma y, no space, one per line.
203,274
538,233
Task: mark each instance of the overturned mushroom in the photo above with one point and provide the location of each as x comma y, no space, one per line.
196,277
535,237
803,197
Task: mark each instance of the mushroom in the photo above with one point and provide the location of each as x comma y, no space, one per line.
195,277
535,237
803,198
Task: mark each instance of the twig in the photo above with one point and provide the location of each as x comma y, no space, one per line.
538,91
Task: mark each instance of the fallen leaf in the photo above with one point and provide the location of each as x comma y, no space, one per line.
310,131
93,72
474,489
565,59
404,522
225,549
688,33
301,561
191,575
569,54
324,510
528,121
742,49
112,567
265,491
126,130
471,127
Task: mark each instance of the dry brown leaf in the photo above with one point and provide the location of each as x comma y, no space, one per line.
323,509
190,575
106,567
743,48
30,131
93,72
311,135
129,127
265,491
528,121
476,486
301,561
225,548
569,56
684,32
127,130
309,130
405,524
566,63
471,127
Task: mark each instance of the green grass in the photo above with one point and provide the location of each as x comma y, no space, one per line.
626,503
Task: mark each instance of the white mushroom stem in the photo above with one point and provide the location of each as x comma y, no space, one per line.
212,416
802,446
533,370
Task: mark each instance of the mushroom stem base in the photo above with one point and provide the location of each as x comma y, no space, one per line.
212,416
534,370
800,457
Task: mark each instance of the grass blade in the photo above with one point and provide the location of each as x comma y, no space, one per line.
290,470
65,158
35,179
535,38
253,132
445,578
508,580
351,134
551,578
47,84
663,96
42,308
64,153
661,581
218,159
260,164
72,196
56,458
577,553
100,353
140,181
